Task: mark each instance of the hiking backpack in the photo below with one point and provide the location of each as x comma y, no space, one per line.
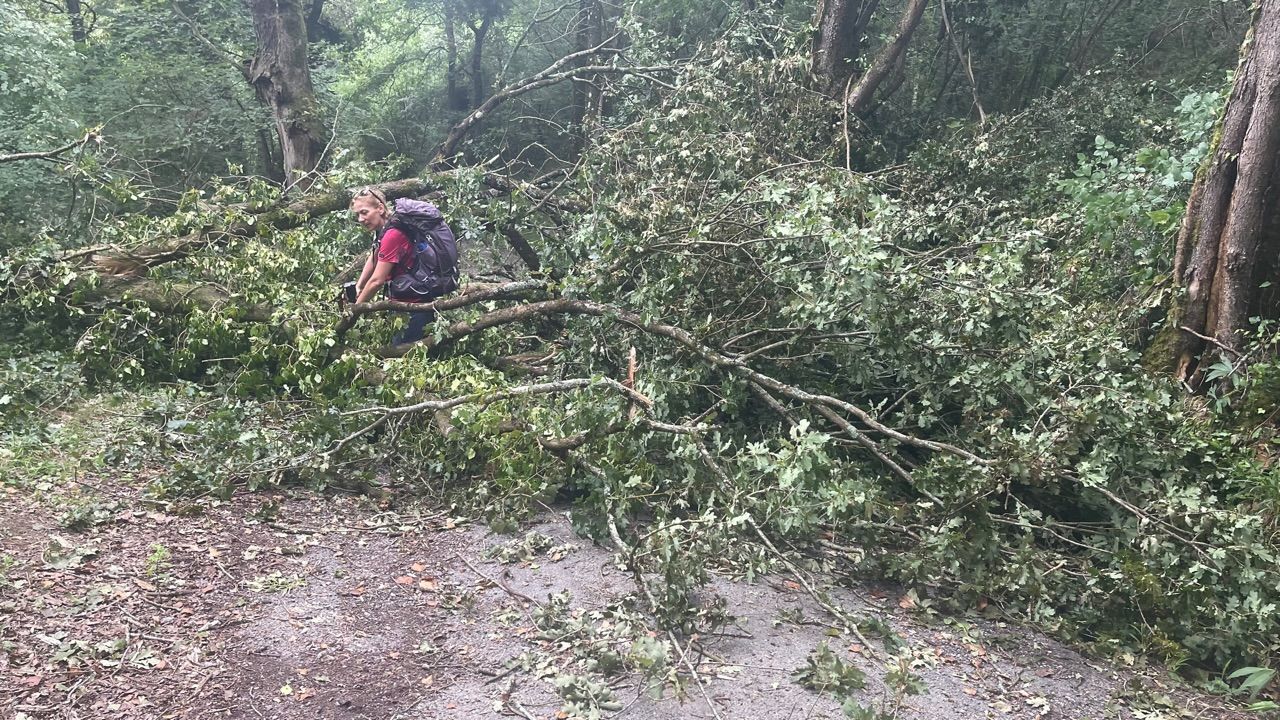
434,269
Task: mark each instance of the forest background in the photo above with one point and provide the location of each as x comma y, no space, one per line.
917,280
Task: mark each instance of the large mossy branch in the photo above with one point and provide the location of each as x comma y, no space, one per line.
169,297
139,259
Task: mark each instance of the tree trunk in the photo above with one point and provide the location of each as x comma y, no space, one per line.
840,25
280,77
1030,84
1080,54
268,158
1228,237
75,14
859,98
589,33
477,53
319,29
456,96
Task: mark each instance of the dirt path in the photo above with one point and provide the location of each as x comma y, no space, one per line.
315,607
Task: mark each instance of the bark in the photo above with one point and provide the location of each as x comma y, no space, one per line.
318,28
522,248
281,79
75,15
480,33
589,34
268,159
897,76
456,95
1228,235
859,98
174,297
315,13
840,25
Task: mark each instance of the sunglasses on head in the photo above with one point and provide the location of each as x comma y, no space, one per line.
370,191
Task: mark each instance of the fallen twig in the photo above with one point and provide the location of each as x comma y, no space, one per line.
653,606
498,583
836,612
828,406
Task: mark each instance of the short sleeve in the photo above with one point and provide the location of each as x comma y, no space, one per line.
394,247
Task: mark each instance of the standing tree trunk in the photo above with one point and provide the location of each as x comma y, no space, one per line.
837,40
859,98
268,159
318,29
75,15
588,34
1079,56
489,12
456,95
1227,244
279,75
1029,86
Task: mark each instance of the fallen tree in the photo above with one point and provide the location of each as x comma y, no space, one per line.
831,408
818,364
246,221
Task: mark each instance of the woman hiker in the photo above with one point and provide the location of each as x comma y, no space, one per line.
392,255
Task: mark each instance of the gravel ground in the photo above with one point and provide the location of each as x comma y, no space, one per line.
309,606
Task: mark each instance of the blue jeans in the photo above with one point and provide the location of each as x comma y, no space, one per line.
416,328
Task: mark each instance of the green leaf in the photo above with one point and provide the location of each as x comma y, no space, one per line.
1255,678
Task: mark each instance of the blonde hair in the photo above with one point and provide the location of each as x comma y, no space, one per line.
370,191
